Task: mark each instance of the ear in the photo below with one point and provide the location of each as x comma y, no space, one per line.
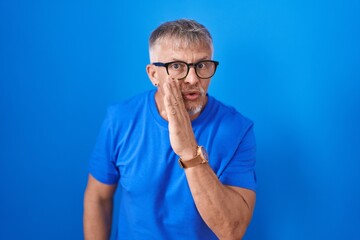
152,73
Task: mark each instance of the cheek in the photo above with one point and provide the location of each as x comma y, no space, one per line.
205,84
162,77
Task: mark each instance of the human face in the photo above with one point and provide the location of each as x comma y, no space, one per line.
193,88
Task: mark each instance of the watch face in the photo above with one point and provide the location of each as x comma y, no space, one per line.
204,153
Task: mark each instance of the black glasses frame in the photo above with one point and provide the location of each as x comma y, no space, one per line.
160,64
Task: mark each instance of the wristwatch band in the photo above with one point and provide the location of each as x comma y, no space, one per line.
200,158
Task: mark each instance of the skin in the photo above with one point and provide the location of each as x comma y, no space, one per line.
166,102
227,210
98,205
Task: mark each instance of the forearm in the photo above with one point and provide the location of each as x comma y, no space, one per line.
224,210
97,219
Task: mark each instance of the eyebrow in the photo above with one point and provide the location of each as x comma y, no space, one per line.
201,59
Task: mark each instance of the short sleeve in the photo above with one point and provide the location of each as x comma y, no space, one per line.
102,165
240,171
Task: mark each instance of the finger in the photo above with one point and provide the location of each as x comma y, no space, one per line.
176,93
173,112
175,103
177,100
168,101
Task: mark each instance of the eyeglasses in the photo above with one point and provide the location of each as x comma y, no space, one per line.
179,69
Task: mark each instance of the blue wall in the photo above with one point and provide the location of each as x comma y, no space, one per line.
291,66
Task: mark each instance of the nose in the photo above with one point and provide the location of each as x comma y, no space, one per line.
191,78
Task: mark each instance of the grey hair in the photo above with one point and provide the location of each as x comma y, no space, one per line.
183,33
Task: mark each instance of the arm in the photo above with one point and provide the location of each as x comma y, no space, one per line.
98,204
225,209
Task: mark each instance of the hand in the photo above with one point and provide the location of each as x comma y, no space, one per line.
182,137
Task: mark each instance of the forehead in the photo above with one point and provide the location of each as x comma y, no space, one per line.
179,43
177,48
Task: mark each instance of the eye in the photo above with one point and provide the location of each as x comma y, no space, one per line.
201,65
176,66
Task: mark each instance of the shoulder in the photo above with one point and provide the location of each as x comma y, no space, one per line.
126,113
229,116
129,106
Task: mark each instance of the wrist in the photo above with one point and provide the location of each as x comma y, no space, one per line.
189,153
201,157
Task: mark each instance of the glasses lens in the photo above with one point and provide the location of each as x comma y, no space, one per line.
177,69
205,69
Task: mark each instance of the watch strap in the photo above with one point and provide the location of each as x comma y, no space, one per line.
197,160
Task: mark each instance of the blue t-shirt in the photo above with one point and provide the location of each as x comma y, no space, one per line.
133,150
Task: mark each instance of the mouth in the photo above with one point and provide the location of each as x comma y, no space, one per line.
191,95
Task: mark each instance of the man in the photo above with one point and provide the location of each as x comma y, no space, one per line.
182,161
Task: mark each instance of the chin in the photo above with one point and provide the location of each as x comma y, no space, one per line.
194,110
194,107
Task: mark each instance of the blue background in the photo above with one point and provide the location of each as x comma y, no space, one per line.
291,66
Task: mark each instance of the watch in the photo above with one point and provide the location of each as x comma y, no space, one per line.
200,158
